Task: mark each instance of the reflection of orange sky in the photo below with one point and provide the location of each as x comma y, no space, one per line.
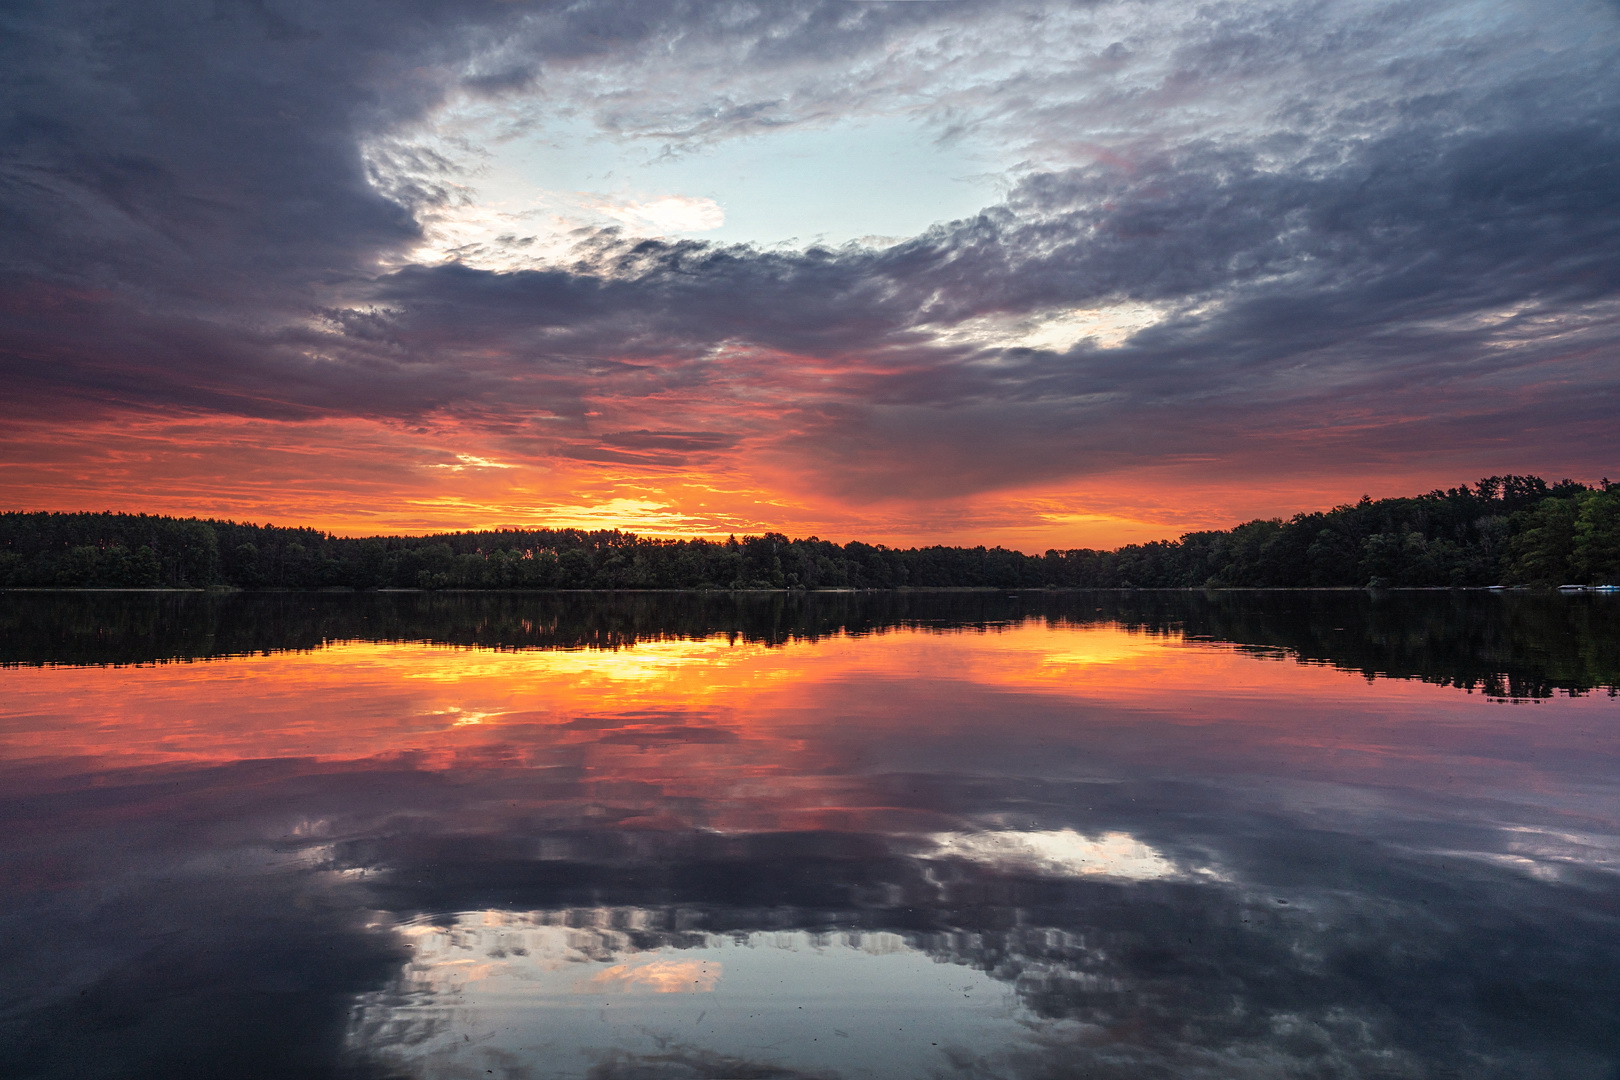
721,724
356,477
656,977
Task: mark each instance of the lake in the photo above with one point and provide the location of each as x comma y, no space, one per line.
682,837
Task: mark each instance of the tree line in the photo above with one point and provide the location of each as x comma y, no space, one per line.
1503,530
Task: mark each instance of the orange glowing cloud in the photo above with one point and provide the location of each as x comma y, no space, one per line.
360,477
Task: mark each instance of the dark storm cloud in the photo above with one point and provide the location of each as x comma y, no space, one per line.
194,139
184,153
1475,271
191,224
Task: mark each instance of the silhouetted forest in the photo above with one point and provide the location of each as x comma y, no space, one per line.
1508,645
1504,530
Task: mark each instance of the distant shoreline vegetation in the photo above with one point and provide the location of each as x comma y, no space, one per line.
1503,530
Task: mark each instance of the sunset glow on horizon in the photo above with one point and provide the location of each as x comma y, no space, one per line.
365,478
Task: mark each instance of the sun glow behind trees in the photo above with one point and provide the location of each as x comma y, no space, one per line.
1502,530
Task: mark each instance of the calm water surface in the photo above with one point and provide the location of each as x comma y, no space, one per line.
659,837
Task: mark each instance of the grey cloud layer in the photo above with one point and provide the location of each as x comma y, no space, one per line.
1417,255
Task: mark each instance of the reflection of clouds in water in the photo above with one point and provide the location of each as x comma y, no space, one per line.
657,977
626,986
1063,852
1546,854
1384,966
1590,850
1389,958
1154,928
495,945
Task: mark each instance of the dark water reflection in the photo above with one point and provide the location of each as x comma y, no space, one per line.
1111,835
1513,644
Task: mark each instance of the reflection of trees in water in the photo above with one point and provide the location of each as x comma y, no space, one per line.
117,628
1516,646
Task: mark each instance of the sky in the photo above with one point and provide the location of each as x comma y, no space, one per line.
908,271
